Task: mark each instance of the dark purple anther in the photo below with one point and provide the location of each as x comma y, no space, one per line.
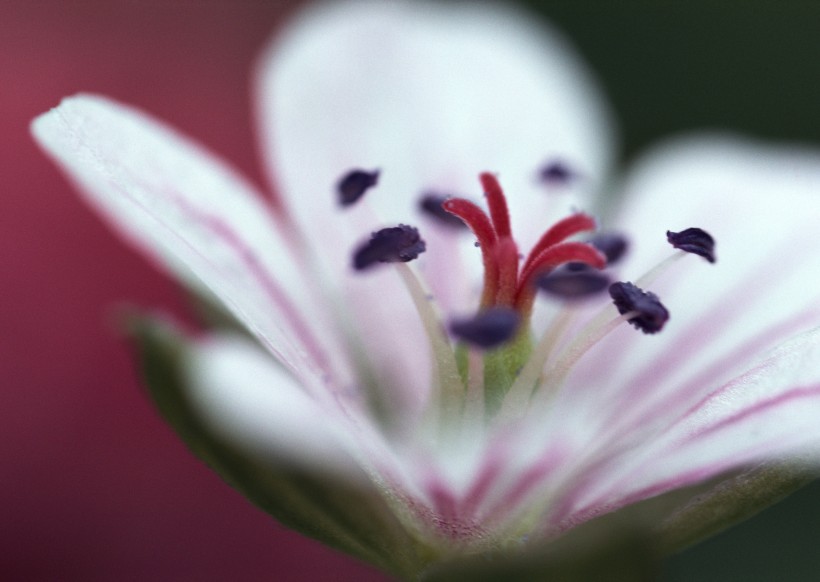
488,329
651,314
397,244
431,203
613,245
354,184
556,172
575,283
693,240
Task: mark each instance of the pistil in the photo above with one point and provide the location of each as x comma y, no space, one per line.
507,285
504,283
484,232
495,358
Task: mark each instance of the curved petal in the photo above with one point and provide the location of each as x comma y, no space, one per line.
241,392
192,213
769,412
243,416
760,203
245,396
431,95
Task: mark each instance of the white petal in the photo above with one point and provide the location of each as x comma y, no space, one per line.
248,399
761,204
183,206
770,412
432,95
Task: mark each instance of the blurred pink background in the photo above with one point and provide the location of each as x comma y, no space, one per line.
94,486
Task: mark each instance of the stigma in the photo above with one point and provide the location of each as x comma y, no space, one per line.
506,282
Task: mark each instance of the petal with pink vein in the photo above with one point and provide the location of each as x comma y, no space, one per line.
769,412
195,215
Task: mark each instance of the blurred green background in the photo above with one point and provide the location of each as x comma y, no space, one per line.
751,67
667,66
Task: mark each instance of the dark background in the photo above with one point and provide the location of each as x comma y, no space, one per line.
93,486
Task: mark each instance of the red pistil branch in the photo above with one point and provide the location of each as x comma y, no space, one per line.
507,256
559,232
482,228
549,259
503,286
497,203
494,234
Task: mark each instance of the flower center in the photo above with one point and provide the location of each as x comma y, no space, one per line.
510,287
496,354
505,284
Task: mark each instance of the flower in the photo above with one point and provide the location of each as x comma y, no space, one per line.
349,412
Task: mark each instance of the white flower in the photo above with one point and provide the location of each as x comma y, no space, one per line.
354,417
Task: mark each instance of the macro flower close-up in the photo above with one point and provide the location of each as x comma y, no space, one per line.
450,337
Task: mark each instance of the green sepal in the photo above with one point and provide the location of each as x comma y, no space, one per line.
730,500
351,516
211,313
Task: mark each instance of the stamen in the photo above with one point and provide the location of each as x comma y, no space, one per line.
389,245
433,205
590,335
448,393
556,172
489,329
612,244
649,313
354,184
661,268
573,283
693,240
518,397
497,203
650,277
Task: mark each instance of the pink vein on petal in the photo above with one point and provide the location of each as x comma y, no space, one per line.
443,499
678,481
481,485
681,396
691,339
525,484
252,262
703,402
714,468
274,293
744,292
796,393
